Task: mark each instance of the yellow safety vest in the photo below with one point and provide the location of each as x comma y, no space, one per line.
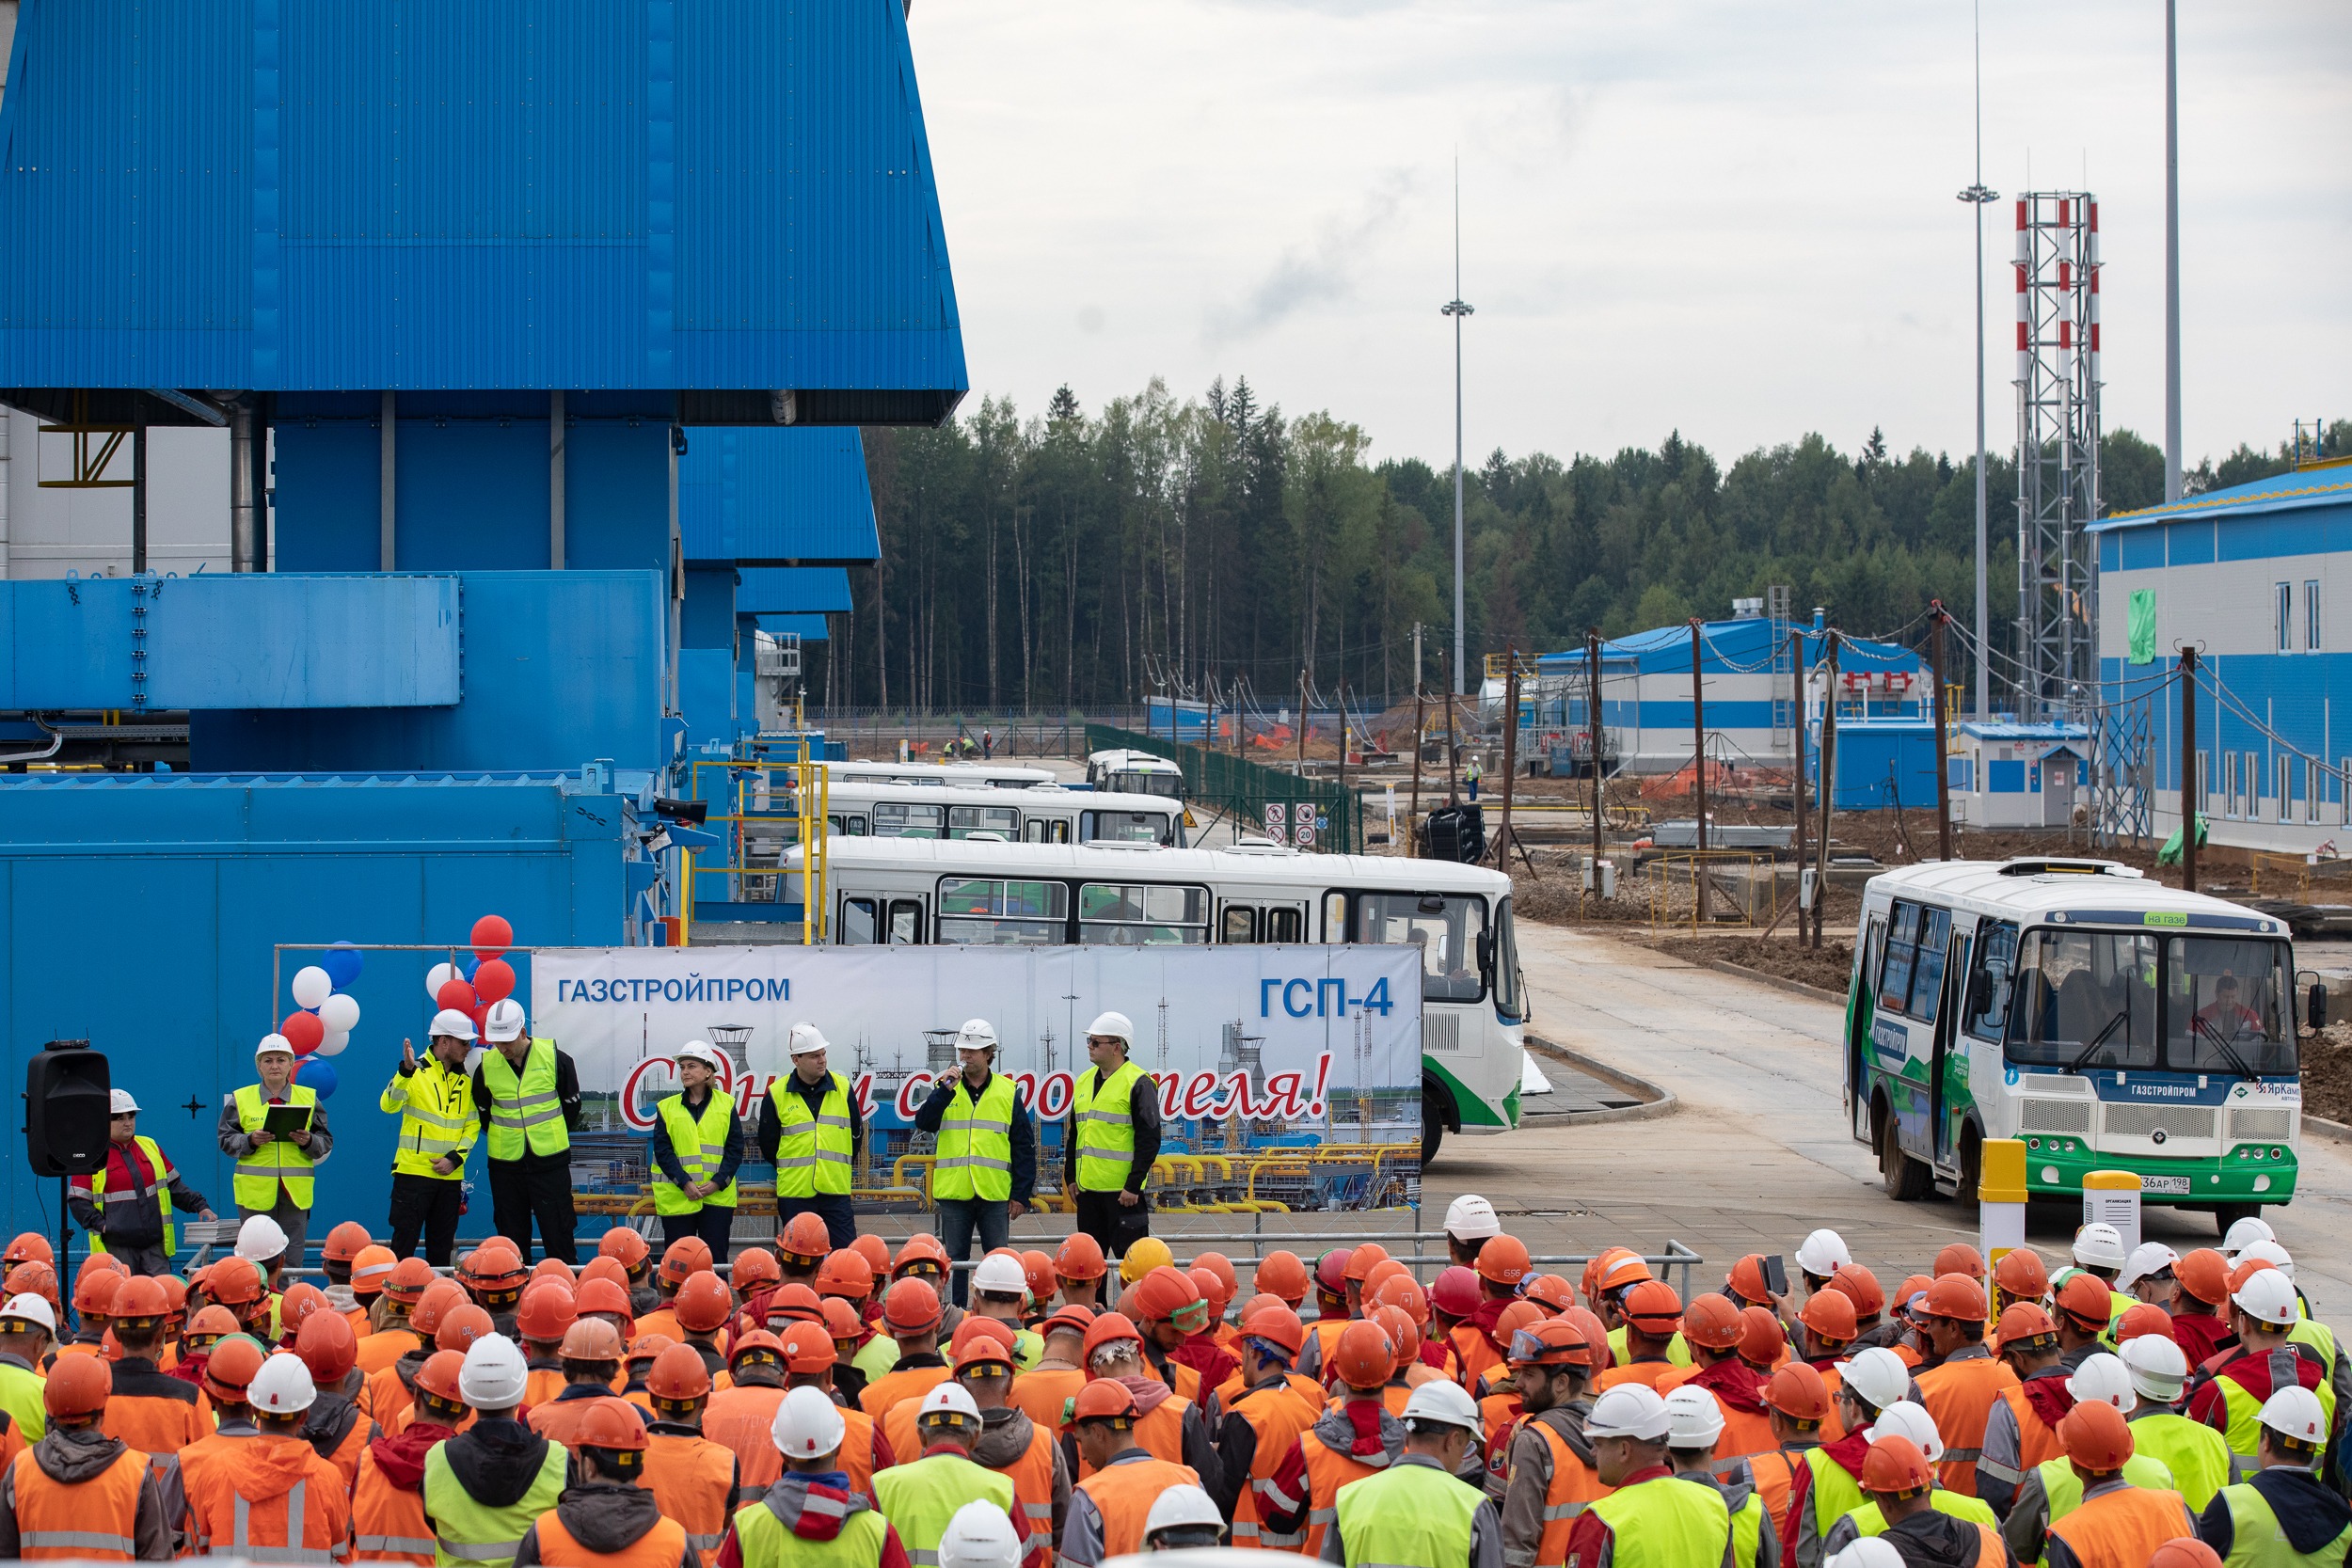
976,1144
436,1118
700,1145
159,1191
1106,1133
280,1159
1667,1523
815,1153
524,1112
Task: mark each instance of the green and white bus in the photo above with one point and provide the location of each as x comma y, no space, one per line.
2110,1022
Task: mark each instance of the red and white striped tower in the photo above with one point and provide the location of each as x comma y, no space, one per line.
2057,452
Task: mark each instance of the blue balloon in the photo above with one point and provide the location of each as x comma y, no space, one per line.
467,966
342,963
317,1074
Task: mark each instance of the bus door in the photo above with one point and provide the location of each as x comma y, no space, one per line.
869,920
1947,1069
1239,923
1861,1009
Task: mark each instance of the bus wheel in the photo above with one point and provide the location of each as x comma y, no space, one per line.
1906,1179
2230,1213
1971,1168
1433,1115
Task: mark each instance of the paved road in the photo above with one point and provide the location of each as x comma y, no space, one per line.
1759,1154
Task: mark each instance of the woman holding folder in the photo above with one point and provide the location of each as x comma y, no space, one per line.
276,1131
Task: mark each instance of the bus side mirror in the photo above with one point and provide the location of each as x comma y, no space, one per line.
1980,994
2316,1009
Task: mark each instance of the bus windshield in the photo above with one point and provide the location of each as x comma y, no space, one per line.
2130,1000
1170,783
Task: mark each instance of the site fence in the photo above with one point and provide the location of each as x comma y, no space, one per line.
1244,790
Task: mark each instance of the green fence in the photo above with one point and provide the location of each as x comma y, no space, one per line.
1219,781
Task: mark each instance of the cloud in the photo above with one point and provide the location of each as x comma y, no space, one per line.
1319,273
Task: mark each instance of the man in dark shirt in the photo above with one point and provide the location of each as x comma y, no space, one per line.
810,1080
1114,1216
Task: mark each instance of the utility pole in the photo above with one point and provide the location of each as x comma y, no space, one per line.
1455,309
2190,823
2172,262
1453,778
1698,751
1943,774
1339,829
1592,716
1977,196
1302,723
1413,810
1417,631
1796,640
1829,780
1510,751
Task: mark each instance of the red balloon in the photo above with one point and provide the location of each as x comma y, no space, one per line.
492,936
303,1031
455,996
494,980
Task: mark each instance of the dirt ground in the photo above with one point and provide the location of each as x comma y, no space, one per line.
2327,1073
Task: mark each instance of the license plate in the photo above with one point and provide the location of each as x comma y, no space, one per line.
2169,1186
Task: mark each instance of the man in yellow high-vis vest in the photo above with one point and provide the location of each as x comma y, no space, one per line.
434,1099
985,1171
697,1146
1111,1138
272,1174
126,1203
527,1095
810,1129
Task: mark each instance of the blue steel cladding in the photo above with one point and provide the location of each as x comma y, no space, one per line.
414,193
785,589
749,494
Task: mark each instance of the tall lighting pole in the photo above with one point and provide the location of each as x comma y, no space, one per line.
1977,196
1455,309
2171,260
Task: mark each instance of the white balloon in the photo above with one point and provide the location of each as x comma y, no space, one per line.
334,1042
340,1013
312,985
439,976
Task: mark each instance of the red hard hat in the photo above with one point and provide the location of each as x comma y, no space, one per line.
846,1274
2095,1437
344,1242
1331,1272
438,1376
1652,1307
602,1295
611,1423
2022,1322
1829,1315
1761,1338
1276,1325
2021,1276
1364,1356
407,1280
704,1304
78,1385
806,1348
547,1312
623,1246
679,1373
327,1346
1799,1392
1404,1294
1956,1297
684,1259
1282,1274
231,1366
1895,1466
1502,1260
1960,1258
1713,1321
1079,1257
1862,1286
461,1325
755,1268
911,1305
1455,1292
805,1239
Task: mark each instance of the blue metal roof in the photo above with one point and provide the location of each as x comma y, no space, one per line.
776,498
2026,732
789,589
727,196
2327,485
1743,646
808,628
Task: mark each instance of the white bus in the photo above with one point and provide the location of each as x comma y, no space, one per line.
967,775
1130,772
861,808
2109,1022
1473,1008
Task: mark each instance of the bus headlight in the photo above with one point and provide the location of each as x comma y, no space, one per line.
2278,1153
2033,1143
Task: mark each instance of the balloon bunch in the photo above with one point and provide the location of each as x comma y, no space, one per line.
470,986
324,1015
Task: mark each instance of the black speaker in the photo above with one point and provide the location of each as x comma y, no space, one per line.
68,1102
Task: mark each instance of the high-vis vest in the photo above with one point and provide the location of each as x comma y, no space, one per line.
693,1480
1870,1520
1960,1395
768,1542
525,1112
2198,1456
1123,1495
2256,1538
813,1154
1327,1470
306,1524
94,1518
742,1418
281,1159
467,1533
436,1118
1833,1492
2126,1525
1277,1415
1575,1487
1621,1351
700,1145
158,1191
2063,1488
2244,1411
921,1498
662,1547
976,1144
388,1523
1666,1523
1032,1478
1747,1528
1106,1133
1408,1513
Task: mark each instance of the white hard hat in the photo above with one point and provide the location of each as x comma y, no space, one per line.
32,1309
807,1425
1877,1376
119,1103
1905,1419
950,1399
2099,1246
2102,1379
2294,1412
261,1239
1629,1410
273,1045
1179,1506
2245,1234
494,1375
978,1033
1693,1420
1114,1024
1471,1218
2146,1259
805,1037
2268,1297
448,1023
282,1387
700,1050
505,1020
979,1536
1001,1273
2159,1368
1870,1551
1823,1253
1443,1399
2271,1253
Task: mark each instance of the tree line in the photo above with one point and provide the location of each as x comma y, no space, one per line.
1215,545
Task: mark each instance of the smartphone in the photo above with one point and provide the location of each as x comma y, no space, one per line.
1775,1273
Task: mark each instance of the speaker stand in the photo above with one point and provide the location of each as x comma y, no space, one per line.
65,1235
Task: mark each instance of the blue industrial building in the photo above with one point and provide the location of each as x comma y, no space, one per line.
539,333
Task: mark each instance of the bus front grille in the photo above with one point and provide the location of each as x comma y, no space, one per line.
1442,1032
2264,1125
2133,1120
2055,1115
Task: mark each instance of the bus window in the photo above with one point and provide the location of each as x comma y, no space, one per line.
1045,830
1926,972
1000,913
1335,917
1988,988
2224,1008
1506,965
1449,930
963,821
2088,1000
1125,827
1286,923
1240,925
898,819
1901,954
857,921
906,922
1142,915
848,827
1275,923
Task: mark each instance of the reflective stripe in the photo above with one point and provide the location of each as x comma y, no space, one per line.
1283,1500
1037,1510
294,1551
975,1125
481,1551
1962,1456
832,1121
973,1160
435,1119
421,1545
1564,1511
1279,1542
269,1173
707,1543
1322,1516
1997,1470
79,1539
922,1559
1119,1116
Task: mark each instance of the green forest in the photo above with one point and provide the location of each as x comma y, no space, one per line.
1061,560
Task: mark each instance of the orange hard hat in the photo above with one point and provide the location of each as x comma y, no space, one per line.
755,1268
974,1326
1960,1258
2085,1298
95,1292
234,1282
28,1246
230,1368
214,1320
1037,1270
555,1268
1519,1315
1896,1467
2205,1274
407,1280
805,1239
1955,1297
1553,1342
2022,1322
142,1297
33,1278
1360,1258
1404,1293
1747,1279
77,1385
2095,1437
911,1305
1829,1315
1364,1357
1653,1307
1860,1284
1713,1321
804,1348
983,1350
611,1423
493,1268
623,1245
679,1373
841,1320
300,1301
1164,1292
684,1259
98,1261
2184,1551
846,1274
327,1346
1281,1273
1502,1260
432,1307
1278,1325
461,1325
1762,1341
1079,1257
344,1242
602,1295
873,1249
1799,1392
2247,1269
438,1376
604,1268
1596,1332
1212,1290
1400,1333
1550,1291
920,1248
2141,1319
645,1347
591,1339
1105,1399
546,1312
795,1303
704,1304
1382,1272
371,1266
759,1339
2021,1276
1222,1266
1599,1264
1914,1284
1625,1269
1109,1328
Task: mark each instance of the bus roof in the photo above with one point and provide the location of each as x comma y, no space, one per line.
1145,861
1045,797
973,773
2040,886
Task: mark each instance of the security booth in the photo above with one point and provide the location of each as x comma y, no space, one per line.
2011,775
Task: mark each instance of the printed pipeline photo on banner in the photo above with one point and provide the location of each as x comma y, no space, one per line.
1289,1078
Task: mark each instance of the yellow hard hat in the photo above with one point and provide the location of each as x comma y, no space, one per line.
1142,1258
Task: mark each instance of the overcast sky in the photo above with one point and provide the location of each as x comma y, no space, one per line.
1733,219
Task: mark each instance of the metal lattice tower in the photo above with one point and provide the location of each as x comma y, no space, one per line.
2058,450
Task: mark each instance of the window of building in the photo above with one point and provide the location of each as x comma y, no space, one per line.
2253,771
2344,791
2205,784
2313,789
2285,772
2310,614
2285,592
2229,783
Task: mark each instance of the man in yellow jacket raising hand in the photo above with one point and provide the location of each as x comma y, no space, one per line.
434,1099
